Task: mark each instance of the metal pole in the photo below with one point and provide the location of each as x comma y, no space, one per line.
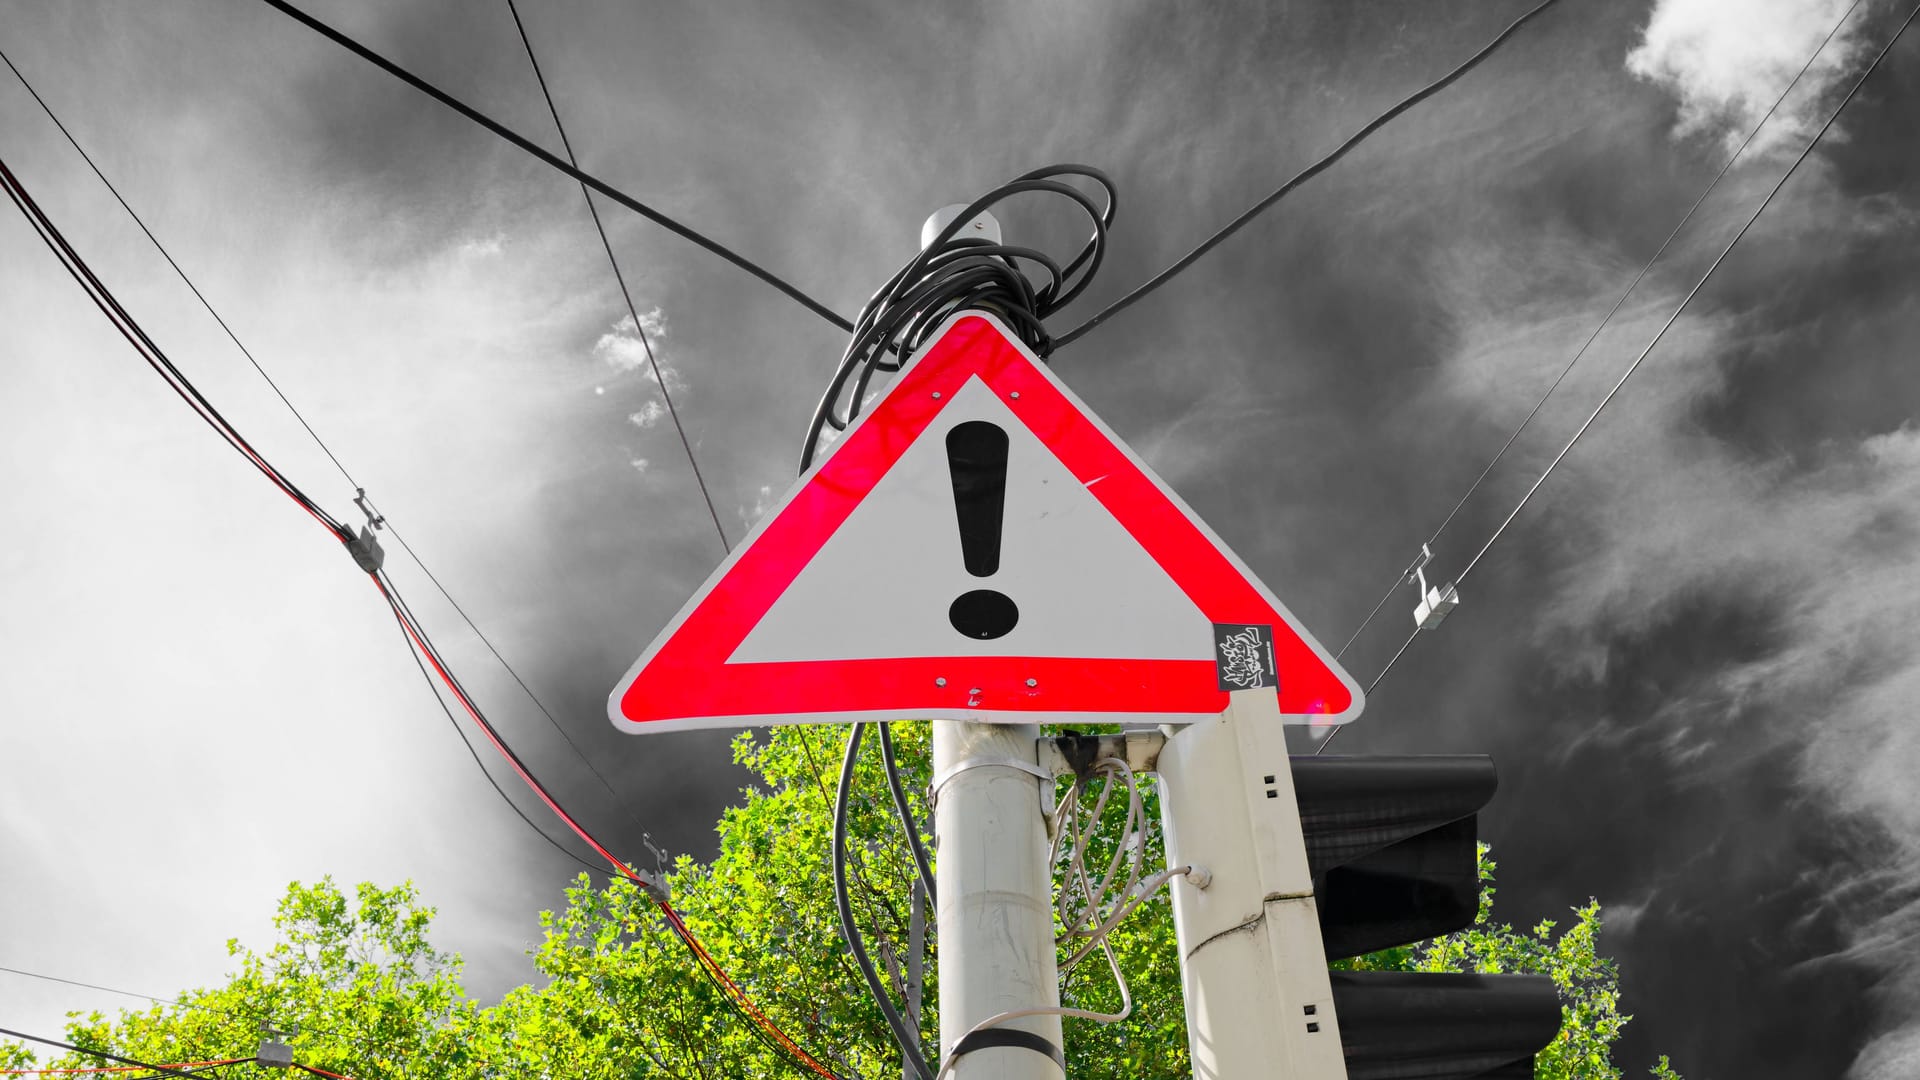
1259,1002
994,916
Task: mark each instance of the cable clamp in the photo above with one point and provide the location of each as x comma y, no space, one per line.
1435,602
1045,775
653,882
988,1038
365,548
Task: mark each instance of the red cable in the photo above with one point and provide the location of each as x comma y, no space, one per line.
124,322
673,917
129,329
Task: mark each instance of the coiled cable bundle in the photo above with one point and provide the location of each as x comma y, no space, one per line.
955,273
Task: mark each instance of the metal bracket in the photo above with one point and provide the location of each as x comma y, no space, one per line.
1139,749
273,1053
653,882
1435,602
365,549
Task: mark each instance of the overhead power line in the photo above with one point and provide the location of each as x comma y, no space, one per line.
154,356
1680,309
124,322
158,1070
571,170
175,1002
165,254
1605,320
390,527
639,328
1695,291
1299,178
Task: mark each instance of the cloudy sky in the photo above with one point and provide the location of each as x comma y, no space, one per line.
1693,655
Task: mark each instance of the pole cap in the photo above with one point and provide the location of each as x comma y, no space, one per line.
985,226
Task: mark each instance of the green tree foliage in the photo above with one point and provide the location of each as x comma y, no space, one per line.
366,995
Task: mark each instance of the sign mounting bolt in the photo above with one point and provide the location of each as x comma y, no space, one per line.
1015,395
1033,682
936,395
940,681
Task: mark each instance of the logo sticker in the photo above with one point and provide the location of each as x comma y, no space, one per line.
1243,656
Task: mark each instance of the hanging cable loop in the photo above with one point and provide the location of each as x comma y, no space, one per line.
955,272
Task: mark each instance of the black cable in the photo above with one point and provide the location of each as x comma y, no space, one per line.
149,351
1301,177
1605,320
197,1070
908,825
84,156
434,688
950,274
305,1029
530,147
903,1035
321,443
124,323
160,1070
954,273
633,312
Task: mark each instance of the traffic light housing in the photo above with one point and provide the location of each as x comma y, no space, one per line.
1392,848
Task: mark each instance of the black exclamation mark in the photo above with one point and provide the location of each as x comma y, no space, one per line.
977,459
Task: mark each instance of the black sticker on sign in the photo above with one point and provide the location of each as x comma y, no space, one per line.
1243,656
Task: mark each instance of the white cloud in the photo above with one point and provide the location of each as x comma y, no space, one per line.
761,505
1727,62
482,247
624,349
640,465
649,414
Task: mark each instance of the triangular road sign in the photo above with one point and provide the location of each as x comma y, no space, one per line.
978,546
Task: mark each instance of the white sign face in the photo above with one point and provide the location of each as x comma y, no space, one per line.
901,547
978,546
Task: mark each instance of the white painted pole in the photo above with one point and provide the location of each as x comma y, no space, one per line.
1258,999
995,912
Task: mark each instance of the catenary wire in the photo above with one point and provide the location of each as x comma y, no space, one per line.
434,689
305,1029
321,443
646,345
137,337
534,149
150,352
189,1067
1704,278
1607,318
1301,177
1680,309
244,351
161,1070
732,990
128,1072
